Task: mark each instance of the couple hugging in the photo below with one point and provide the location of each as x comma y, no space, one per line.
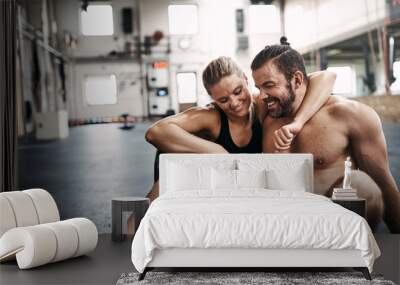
293,113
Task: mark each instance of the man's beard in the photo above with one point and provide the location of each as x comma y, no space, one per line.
284,105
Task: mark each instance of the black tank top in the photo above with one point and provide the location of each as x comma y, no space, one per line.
225,139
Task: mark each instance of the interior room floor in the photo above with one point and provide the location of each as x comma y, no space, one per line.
98,162
110,259
86,170
102,266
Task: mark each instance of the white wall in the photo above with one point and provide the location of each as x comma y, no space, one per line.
128,74
310,24
68,19
128,89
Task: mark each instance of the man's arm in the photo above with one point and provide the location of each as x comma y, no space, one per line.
176,133
319,89
369,149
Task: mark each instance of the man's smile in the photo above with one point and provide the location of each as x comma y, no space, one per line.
271,102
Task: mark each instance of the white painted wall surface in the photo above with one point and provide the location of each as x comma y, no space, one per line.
129,98
128,72
68,17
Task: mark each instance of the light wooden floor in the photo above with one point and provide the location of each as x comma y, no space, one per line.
110,260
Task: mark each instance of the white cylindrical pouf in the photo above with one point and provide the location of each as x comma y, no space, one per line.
7,218
87,234
23,207
45,205
67,239
34,246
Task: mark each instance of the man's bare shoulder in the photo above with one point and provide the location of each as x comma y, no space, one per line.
343,108
356,115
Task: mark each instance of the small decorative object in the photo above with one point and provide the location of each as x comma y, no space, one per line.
347,192
344,194
347,174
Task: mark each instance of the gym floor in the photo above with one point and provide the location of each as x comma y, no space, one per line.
86,170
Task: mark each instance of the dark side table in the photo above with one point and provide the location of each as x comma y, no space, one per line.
126,214
357,205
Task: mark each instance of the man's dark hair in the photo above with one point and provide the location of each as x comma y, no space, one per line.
286,59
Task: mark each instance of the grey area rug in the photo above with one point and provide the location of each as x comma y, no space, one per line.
228,278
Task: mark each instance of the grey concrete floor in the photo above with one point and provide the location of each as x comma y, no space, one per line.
110,259
86,170
98,162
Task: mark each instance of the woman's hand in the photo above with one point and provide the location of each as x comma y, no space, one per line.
284,136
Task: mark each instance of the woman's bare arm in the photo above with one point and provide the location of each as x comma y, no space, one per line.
176,133
319,89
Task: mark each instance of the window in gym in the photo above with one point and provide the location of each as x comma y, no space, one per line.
187,89
97,21
182,19
264,19
395,87
100,89
345,81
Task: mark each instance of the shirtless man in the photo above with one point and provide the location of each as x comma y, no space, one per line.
339,129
